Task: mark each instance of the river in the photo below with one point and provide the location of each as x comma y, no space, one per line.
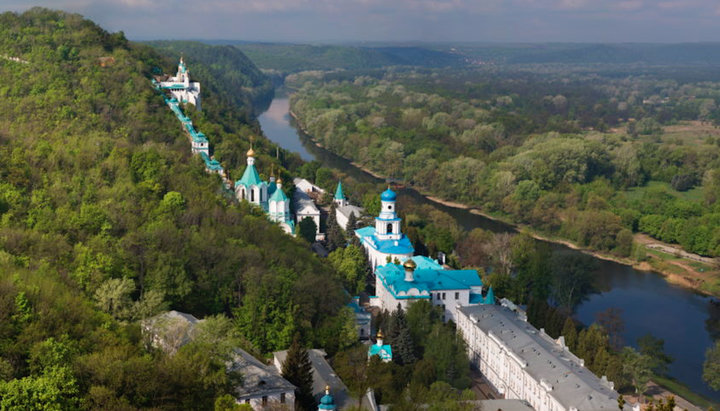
647,302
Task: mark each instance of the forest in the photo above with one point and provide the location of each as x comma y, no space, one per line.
106,218
589,155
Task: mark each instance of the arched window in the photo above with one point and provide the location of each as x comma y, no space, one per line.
252,195
389,228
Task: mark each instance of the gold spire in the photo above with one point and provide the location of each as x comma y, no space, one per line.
251,152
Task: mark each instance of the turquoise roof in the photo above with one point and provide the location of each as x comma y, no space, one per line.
476,299
425,280
401,246
271,188
383,351
339,192
327,402
490,297
425,263
388,195
278,195
210,164
250,177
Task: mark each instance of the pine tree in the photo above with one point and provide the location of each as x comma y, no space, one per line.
351,223
335,236
569,331
298,371
400,338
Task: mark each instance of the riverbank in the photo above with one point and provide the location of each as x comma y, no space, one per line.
675,269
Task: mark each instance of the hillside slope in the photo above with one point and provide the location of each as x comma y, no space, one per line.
106,218
225,70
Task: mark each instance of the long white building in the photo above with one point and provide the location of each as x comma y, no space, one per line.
524,363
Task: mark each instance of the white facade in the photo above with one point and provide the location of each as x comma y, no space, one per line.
305,207
524,363
306,186
181,88
421,278
342,214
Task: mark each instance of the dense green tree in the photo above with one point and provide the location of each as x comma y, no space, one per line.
307,228
351,263
400,338
297,369
335,234
569,331
572,278
352,224
352,367
711,367
654,348
637,367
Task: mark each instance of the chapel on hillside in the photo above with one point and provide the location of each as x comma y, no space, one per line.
267,195
181,88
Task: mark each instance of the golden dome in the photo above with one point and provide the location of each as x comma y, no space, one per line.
379,334
251,152
409,264
279,180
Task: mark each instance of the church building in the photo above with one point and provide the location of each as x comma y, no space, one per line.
267,195
181,88
343,209
385,242
422,278
384,351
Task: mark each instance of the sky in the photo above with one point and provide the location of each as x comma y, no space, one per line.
336,21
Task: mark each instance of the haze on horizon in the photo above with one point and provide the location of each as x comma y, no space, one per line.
332,21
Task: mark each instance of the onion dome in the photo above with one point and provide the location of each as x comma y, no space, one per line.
409,264
251,153
327,402
388,195
379,334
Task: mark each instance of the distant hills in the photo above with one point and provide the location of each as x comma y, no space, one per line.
574,53
288,58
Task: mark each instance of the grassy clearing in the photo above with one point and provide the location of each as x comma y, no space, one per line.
663,255
637,193
685,392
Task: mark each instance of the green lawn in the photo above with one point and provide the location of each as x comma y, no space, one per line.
636,193
685,392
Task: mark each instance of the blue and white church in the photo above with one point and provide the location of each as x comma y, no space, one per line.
181,88
385,242
267,195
